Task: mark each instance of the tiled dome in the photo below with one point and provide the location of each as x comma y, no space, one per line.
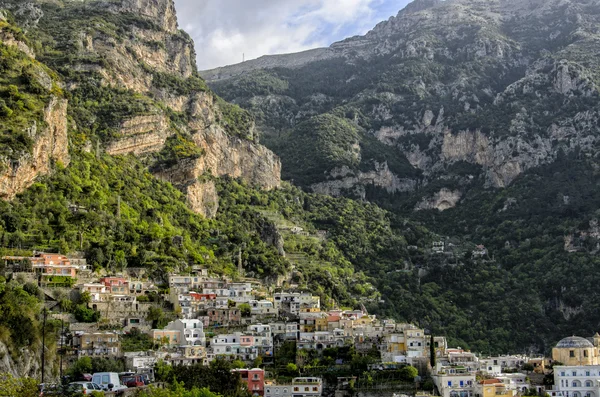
574,341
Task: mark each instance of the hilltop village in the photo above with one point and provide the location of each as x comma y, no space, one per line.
199,317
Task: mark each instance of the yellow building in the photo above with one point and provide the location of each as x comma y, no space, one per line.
574,350
321,324
494,388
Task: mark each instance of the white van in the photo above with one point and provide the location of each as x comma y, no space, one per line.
108,381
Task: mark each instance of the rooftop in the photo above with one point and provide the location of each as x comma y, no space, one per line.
574,341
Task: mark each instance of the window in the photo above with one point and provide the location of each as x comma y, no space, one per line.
562,373
449,383
315,388
571,353
585,353
574,384
574,373
296,388
587,373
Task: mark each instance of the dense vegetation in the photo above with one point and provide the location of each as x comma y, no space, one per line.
26,87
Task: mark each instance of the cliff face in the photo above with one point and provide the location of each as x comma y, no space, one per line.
227,155
133,49
51,146
504,86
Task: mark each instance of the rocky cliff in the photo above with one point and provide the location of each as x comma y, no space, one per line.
504,86
139,72
51,146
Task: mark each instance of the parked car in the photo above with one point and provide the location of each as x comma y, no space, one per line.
85,387
134,380
108,381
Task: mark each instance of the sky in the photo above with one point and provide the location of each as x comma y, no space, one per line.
225,30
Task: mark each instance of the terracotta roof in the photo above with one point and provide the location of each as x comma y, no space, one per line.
490,381
333,319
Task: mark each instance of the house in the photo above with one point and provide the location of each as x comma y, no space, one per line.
292,302
104,344
254,379
236,346
44,264
479,251
116,285
225,316
454,381
184,332
167,337
493,388
300,387
97,291
438,247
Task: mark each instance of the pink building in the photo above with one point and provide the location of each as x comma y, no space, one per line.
254,378
46,264
116,285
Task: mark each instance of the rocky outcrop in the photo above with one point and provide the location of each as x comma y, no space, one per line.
141,135
346,181
51,146
203,198
160,12
227,155
26,363
441,201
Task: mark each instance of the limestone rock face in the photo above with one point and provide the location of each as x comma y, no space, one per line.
227,155
141,135
503,86
51,146
203,198
442,200
345,180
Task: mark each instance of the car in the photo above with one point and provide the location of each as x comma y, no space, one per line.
108,381
133,380
85,387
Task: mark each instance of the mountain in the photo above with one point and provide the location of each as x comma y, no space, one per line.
116,150
477,118
500,85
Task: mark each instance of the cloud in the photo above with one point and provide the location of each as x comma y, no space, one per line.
224,30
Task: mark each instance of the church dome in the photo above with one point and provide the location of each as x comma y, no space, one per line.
574,342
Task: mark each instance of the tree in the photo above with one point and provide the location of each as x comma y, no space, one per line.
527,367
81,366
409,373
245,310
156,315
85,298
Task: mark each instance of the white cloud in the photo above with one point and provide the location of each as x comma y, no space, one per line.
223,30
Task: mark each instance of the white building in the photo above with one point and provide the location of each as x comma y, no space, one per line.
292,302
496,365
454,381
577,381
300,387
191,331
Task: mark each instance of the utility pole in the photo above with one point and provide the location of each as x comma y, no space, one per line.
44,344
62,352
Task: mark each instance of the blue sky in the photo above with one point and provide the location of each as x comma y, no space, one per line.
223,30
